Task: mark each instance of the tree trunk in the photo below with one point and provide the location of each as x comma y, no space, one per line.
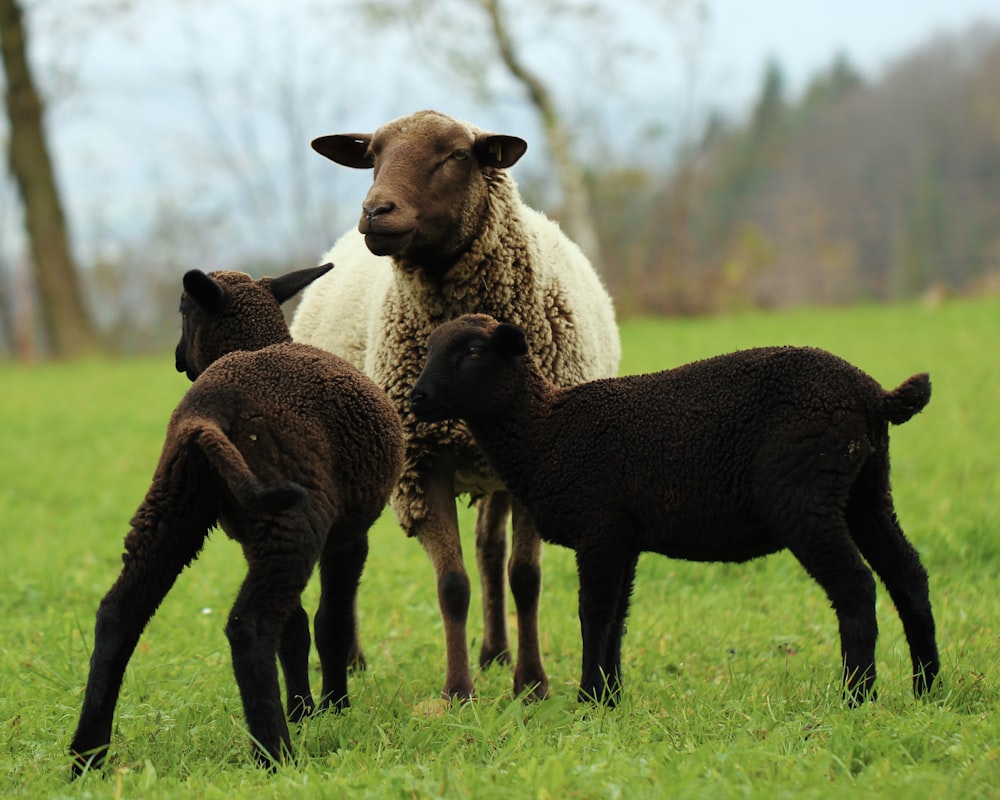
66,322
577,219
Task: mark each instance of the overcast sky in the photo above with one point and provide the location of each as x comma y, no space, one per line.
804,34
130,131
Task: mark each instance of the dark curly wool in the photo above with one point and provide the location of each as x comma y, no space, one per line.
294,453
726,459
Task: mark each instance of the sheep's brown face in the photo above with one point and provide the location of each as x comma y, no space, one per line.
428,191
464,376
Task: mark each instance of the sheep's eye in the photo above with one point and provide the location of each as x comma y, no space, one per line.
474,352
460,155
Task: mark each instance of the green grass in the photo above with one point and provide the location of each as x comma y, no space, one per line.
731,671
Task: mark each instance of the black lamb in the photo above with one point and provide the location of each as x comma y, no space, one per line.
726,459
294,453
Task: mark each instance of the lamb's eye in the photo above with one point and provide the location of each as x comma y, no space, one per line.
474,352
460,155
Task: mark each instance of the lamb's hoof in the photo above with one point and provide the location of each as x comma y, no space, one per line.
924,680
273,757
301,708
87,762
603,696
356,661
858,695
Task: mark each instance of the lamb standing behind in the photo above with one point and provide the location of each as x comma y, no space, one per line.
294,453
726,459
444,232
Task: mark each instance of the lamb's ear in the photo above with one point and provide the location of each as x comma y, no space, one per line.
499,150
290,284
349,149
204,290
510,340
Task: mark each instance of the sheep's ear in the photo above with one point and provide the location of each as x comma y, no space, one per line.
290,284
204,290
348,149
510,340
498,150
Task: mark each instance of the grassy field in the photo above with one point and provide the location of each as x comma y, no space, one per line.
731,671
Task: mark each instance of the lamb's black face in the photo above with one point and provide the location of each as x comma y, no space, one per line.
448,374
467,361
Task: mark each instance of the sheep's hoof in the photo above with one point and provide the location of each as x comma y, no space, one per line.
533,691
488,657
462,693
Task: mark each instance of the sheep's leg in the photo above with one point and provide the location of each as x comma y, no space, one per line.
605,582
437,532
491,552
823,546
269,594
877,534
336,621
156,552
526,586
293,653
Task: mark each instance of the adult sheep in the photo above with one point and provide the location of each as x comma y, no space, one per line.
726,459
444,232
294,453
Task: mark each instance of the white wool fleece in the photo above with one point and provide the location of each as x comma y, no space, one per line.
521,269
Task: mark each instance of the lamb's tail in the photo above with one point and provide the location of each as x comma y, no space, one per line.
908,398
228,462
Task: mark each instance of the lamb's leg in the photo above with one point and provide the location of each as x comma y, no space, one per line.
605,581
157,549
437,532
823,546
526,586
270,593
613,667
356,661
293,653
491,553
876,532
336,622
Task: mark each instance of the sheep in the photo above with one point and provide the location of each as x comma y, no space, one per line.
294,453
726,459
443,231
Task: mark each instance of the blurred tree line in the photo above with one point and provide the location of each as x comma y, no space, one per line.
851,192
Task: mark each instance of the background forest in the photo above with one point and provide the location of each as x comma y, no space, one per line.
851,191
848,186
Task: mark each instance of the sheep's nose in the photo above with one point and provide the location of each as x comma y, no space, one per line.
372,210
